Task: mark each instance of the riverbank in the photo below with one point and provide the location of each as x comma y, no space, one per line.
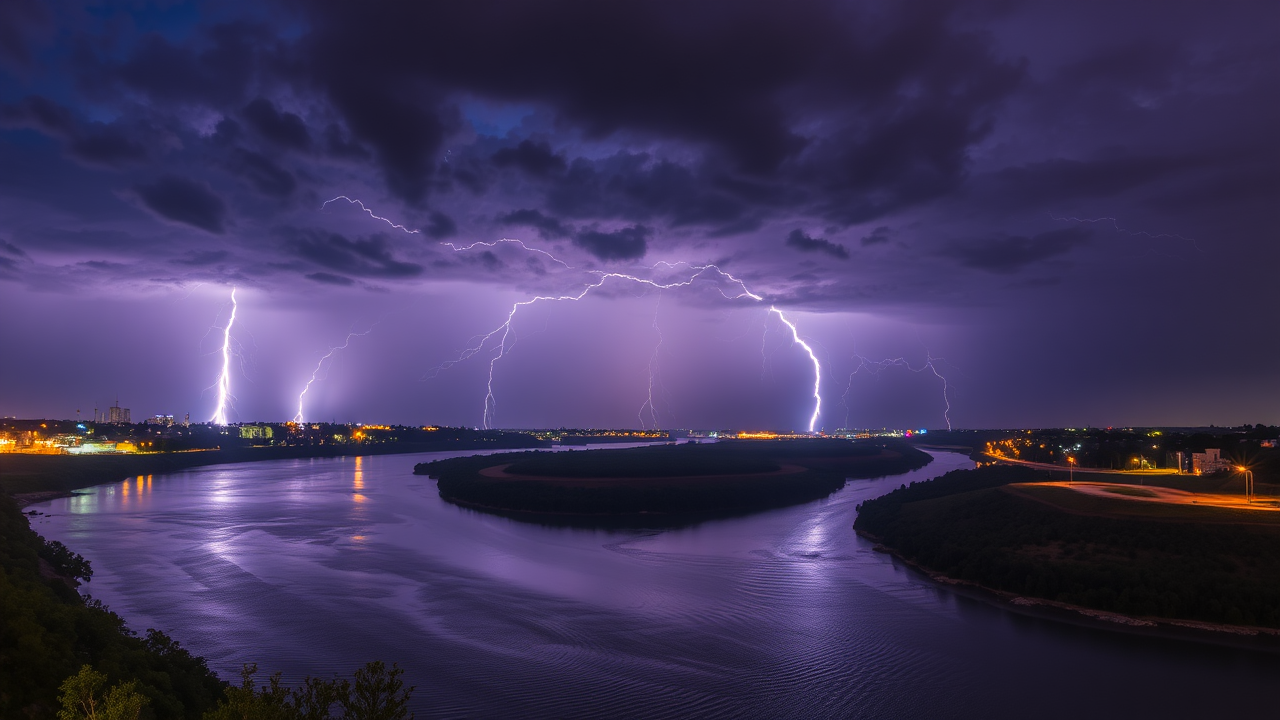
37,478
1235,636
49,631
1125,567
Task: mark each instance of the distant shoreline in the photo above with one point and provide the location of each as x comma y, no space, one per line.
31,479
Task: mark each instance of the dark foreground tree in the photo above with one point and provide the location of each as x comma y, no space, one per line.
378,693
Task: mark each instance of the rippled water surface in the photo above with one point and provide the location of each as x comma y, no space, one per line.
316,566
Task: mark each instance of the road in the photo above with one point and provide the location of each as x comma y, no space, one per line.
1168,496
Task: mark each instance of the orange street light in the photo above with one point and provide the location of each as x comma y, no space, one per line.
1248,481
1071,470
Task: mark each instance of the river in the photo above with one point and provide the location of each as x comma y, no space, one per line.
316,566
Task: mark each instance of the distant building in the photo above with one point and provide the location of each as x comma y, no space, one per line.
1208,462
165,420
118,415
256,432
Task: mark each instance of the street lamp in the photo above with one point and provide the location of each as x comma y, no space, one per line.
1248,481
1071,470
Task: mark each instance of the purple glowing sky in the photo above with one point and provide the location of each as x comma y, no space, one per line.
1072,203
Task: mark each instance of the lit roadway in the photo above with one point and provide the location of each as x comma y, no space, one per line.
1065,468
1167,496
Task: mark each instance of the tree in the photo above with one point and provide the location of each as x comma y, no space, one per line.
378,694
81,700
249,702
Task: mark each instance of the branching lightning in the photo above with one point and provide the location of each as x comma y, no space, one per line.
875,367
506,340
316,373
224,380
370,214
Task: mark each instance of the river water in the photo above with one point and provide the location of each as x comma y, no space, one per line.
317,566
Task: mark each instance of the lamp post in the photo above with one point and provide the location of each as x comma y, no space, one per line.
1071,470
1248,481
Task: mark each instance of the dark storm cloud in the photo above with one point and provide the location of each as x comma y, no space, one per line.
284,129
95,143
212,68
18,19
10,255
626,244
202,258
405,135
903,93
10,249
1061,180
40,113
635,186
330,279
262,173
548,227
878,236
364,257
441,226
184,201
1007,254
534,158
802,242
338,145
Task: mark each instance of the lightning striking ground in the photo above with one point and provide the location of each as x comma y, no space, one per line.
817,367
876,367
315,373
653,362
224,380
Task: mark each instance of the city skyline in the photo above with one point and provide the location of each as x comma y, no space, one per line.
994,216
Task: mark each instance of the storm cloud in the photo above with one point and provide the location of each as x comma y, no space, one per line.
921,166
184,201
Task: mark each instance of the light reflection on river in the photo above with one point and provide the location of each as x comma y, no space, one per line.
316,566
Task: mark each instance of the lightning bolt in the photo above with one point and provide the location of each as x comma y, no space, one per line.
817,367
505,341
370,213
224,380
1115,224
504,330
875,367
653,362
464,248
315,373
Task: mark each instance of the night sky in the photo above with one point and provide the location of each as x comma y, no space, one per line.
1070,207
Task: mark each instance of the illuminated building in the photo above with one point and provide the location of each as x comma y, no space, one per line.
1208,462
256,432
165,420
